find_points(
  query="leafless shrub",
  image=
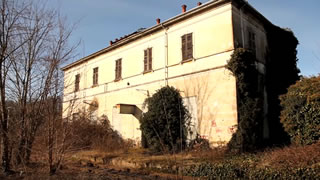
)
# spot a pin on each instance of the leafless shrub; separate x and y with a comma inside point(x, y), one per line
point(292, 156)
point(96, 134)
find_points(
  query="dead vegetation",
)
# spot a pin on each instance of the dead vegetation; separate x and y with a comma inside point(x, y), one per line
point(292, 156)
point(98, 163)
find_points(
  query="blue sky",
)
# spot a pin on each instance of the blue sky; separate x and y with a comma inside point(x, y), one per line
point(99, 21)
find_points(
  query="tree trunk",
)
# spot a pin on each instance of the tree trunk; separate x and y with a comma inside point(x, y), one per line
point(50, 148)
point(21, 149)
point(5, 148)
point(29, 148)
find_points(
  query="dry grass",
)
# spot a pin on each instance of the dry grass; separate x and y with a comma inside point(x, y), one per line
point(212, 155)
point(292, 156)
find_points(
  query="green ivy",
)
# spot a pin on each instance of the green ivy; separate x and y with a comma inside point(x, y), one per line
point(249, 99)
point(281, 72)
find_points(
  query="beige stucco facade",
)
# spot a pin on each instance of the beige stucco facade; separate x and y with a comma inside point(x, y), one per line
point(207, 86)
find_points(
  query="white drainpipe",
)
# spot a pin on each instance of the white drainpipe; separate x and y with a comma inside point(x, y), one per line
point(166, 55)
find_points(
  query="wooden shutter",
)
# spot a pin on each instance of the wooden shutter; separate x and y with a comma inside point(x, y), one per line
point(252, 42)
point(184, 46)
point(77, 83)
point(118, 69)
point(189, 47)
point(150, 59)
point(145, 62)
point(95, 76)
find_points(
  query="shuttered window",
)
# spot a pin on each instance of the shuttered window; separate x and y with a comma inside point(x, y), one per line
point(95, 76)
point(118, 70)
point(147, 60)
point(252, 42)
point(77, 83)
point(187, 47)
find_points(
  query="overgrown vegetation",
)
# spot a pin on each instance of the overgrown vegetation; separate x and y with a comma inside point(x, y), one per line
point(301, 111)
point(34, 43)
point(165, 125)
point(75, 135)
point(249, 99)
point(282, 163)
point(96, 134)
point(281, 72)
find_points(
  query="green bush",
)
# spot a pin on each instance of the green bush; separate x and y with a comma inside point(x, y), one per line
point(165, 125)
point(249, 99)
point(301, 111)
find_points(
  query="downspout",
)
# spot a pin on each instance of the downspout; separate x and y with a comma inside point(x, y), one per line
point(166, 55)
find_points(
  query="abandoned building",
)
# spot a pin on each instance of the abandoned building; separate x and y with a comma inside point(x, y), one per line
point(188, 51)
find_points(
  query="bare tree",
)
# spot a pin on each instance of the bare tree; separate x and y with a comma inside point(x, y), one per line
point(11, 14)
point(34, 43)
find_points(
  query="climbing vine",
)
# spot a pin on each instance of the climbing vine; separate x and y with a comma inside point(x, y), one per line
point(281, 72)
point(249, 99)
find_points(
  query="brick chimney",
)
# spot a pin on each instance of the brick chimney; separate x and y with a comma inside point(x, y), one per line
point(158, 21)
point(184, 8)
point(110, 43)
point(199, 3)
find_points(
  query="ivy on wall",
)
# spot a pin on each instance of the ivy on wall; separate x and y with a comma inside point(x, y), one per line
point(281, 72)
point(250, 103)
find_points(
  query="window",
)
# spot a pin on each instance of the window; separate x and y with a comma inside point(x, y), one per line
point(252, 42)
point(118, 69)
point(77, 83)
point(187, 50)
point(147, 60)
point(95, 76)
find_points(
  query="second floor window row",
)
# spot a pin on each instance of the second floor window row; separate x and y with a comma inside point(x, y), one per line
point(187, 54)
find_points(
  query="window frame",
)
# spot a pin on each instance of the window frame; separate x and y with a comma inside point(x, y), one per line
point(77, 83)
point(252, 42)
point(187, 47)
point(95, 76)
point(147, 60)
point(118, 69)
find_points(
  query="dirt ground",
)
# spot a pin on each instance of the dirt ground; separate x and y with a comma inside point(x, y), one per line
point(88, 165)
point(91, 164)
point(76, 173)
